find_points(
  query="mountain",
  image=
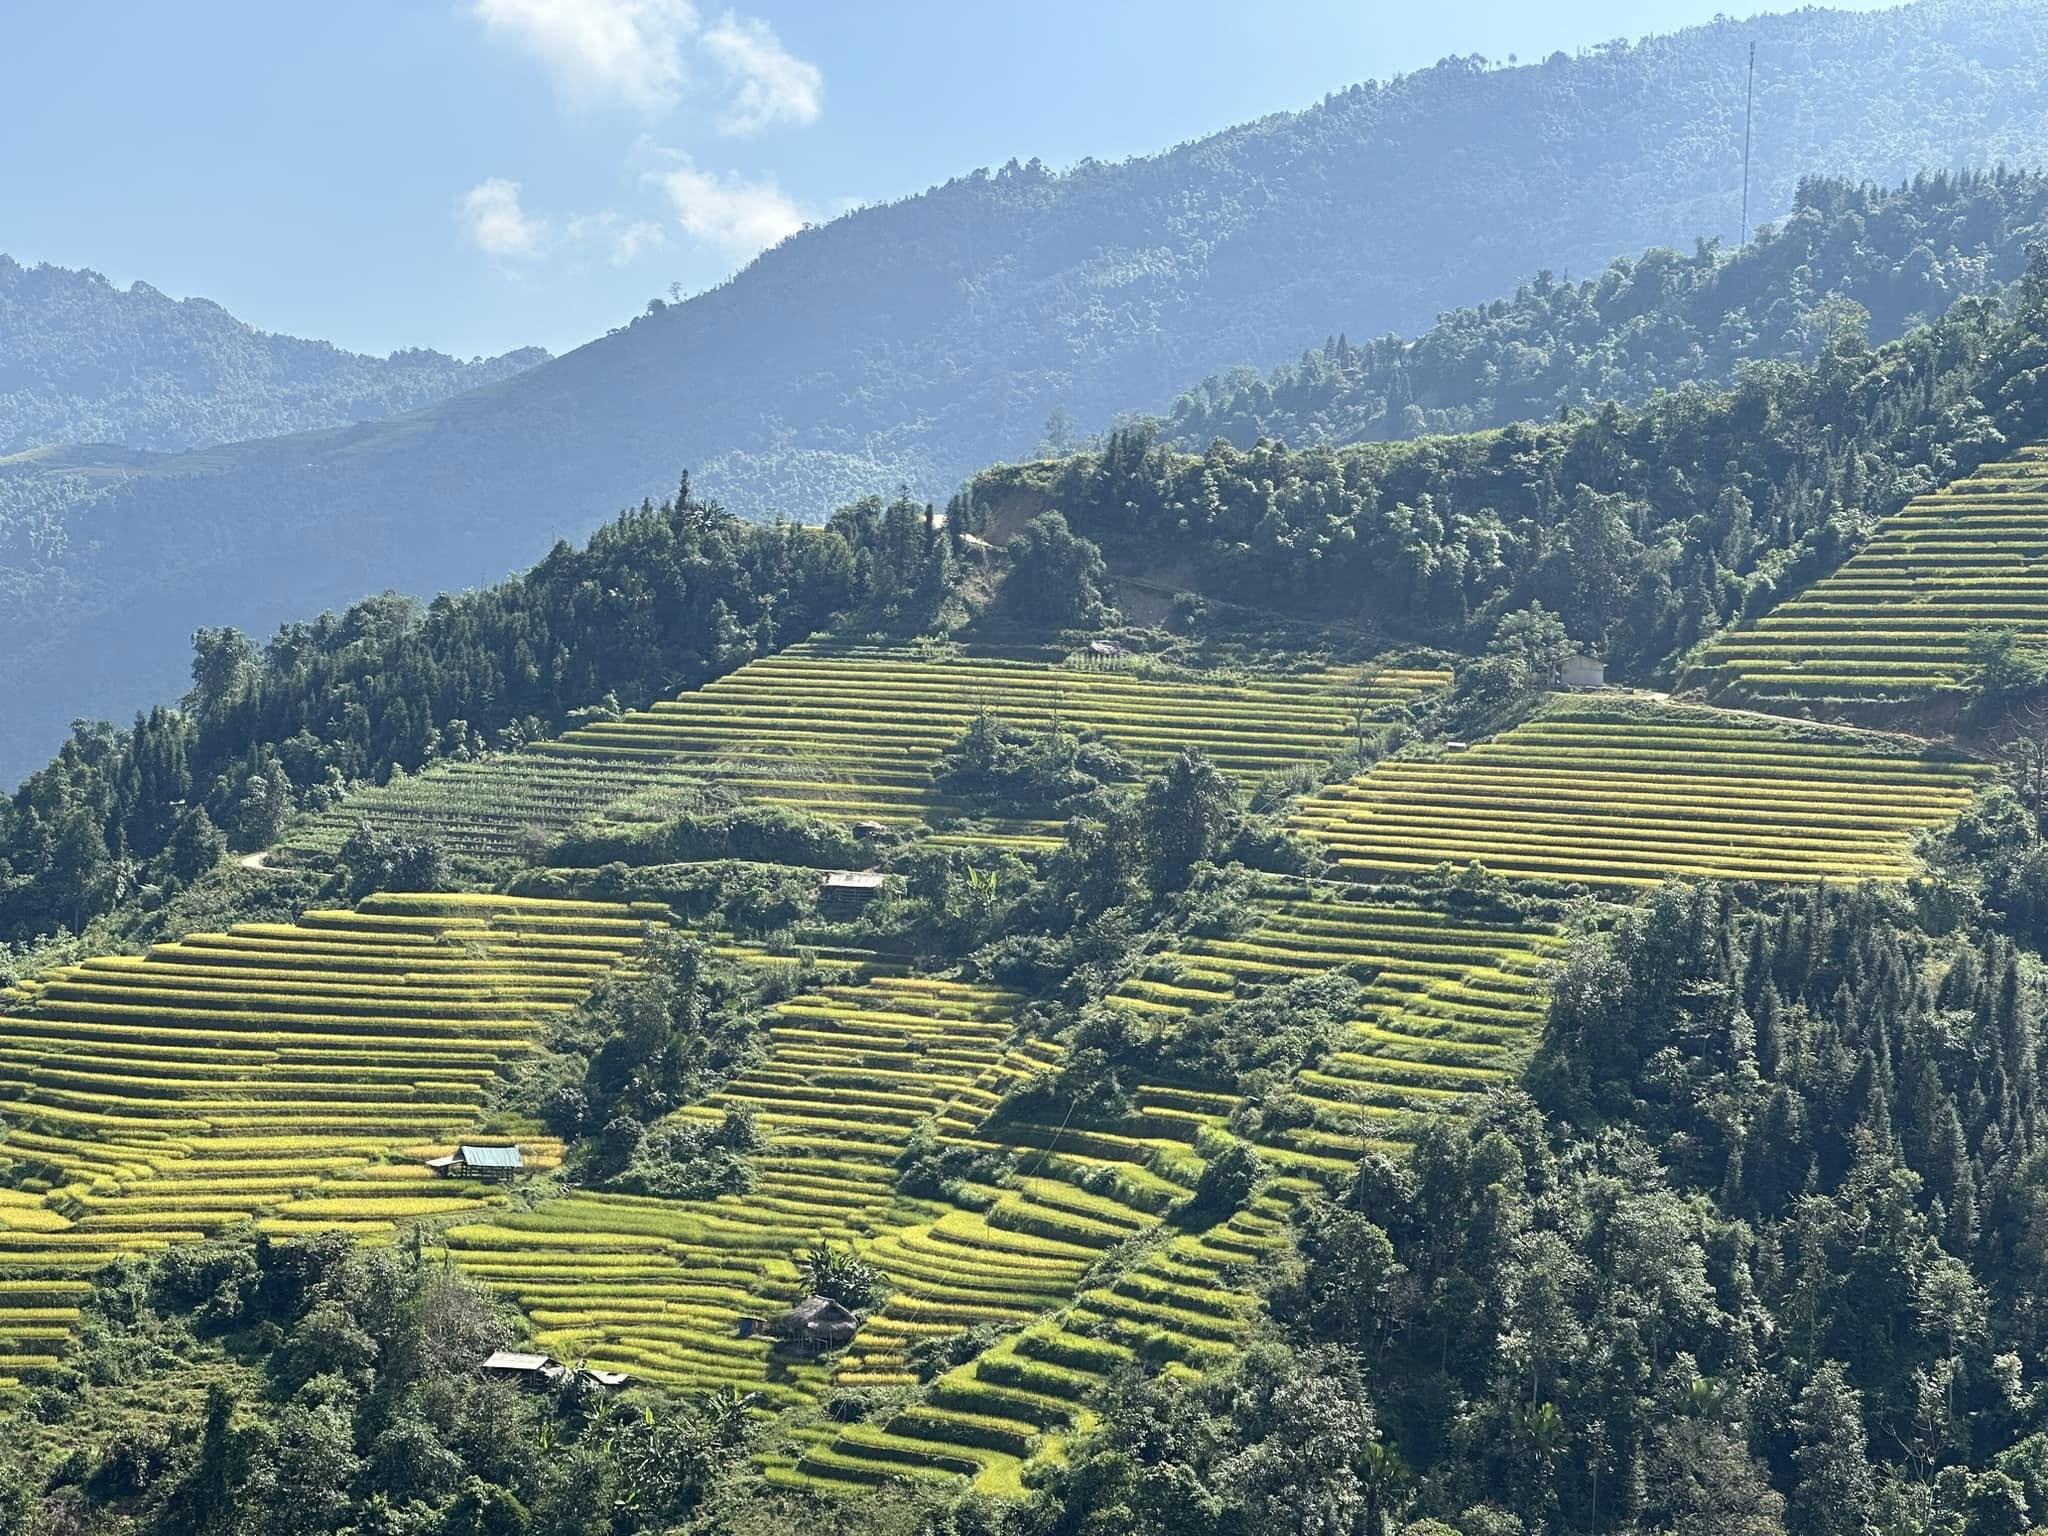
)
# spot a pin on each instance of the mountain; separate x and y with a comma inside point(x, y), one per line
point(914, 342)
point(82, 361)
point(1849, 255)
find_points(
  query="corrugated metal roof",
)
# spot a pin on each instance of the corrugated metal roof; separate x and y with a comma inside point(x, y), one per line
point(492, 1157)
point(852, 880)
point(512, 1360)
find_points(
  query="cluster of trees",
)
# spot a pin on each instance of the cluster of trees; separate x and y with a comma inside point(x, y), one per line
point(1848, 251)
point(1759, 1256)
point(1008, 770)
point(648, 1040)
point(1644, 531)
point(364, 1412)
point(86, 362)
point(1129, 857)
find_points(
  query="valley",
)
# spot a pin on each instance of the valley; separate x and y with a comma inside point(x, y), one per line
point(1446, 938)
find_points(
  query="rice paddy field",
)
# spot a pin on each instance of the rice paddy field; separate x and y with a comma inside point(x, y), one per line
point(659, 1288)
point(1448, 1009)
point(294, 1075)
point(854, 732)
point(1613, 796)
point(1894, 621)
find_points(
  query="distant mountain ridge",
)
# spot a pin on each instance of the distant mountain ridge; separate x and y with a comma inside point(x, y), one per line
point(84, 361)
point(1848, 255)
point(917, 342)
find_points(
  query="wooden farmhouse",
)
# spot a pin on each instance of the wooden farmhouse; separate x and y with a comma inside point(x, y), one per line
point(497, 1164)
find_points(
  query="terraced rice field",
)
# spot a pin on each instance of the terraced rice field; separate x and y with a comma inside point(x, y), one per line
point(658, 1288)
point(1619, 796)
point(1079, 1238)
point(1448, 1008)
point(1894, 620)
point(290, 1074)
point(854, 733)
point(1447, 1011)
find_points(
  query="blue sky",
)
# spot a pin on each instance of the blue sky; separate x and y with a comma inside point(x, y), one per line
point(476, 175)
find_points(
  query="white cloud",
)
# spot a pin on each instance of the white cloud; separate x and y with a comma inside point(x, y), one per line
point(770, 84)
point(735, 214)
point(498, 225)
point(622, 239)
point(601, 50)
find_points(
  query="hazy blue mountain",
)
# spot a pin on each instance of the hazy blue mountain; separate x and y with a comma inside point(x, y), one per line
point(82, 361)
point(917, 341)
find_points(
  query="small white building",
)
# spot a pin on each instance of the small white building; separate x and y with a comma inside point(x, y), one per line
point(1583, 671)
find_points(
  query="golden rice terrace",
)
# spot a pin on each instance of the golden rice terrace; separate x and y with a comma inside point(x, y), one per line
point(294, 1074)
point(854, 733)
point(1631, 795)
point(1895, 621)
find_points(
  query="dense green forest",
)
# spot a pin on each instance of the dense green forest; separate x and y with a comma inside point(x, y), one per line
point(916, 342)
point(1657, 322)
point(82, 361)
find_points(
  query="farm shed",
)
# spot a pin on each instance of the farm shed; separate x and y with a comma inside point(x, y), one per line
point(495, 1163)
point(1104, 648)
point(545, 1370)
point(1583, 671)
point(511, 1365)
point(819, 1322)
point(843, 892)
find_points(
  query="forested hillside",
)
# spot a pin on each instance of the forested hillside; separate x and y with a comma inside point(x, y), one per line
point(918, 341)
point(1135, 1004)
point(1644, 531)
point(82, 361)
point(1846, 256)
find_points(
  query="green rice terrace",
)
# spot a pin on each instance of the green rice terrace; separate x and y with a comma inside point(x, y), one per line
point(854, 732)
point(297, 1074)
point(659, 1288)
point(1631, 795)
point(1895, 620)
point(1448, 1009)
point(1074, 1252)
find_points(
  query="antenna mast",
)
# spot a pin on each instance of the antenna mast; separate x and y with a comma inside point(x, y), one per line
point(1748, 113)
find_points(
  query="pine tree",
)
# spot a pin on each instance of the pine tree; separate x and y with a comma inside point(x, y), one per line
point(1834, 1494)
